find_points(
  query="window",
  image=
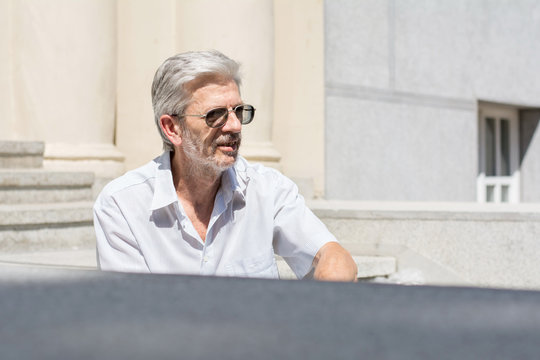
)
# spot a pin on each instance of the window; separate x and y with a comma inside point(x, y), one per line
point(498, 179)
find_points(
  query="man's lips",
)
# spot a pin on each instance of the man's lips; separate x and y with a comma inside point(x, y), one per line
point(228, 147)
point(228, 143)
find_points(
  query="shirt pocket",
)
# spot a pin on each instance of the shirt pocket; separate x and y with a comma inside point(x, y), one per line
point(262, 265)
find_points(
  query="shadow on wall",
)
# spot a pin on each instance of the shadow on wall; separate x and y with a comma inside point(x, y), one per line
point(529, 120)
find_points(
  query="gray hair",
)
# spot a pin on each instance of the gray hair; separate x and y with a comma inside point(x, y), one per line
point(169, 92)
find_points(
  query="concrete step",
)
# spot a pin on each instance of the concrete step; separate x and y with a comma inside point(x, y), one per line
point(73, 258)
point(375, 266)
point(20, 215)
point(21, 154)
point(31, 227)
point(42, 186)
point(368, 267)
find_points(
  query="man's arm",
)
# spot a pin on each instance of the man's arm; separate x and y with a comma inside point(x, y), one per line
point(333, 263)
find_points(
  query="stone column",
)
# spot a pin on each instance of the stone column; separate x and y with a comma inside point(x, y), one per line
point(244, 31)
point(146, 37)
point(299, 92)
point(64, 71)
point(8, 128)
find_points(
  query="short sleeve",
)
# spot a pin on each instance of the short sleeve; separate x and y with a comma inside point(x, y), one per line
point(298, 233)
point(117, 249)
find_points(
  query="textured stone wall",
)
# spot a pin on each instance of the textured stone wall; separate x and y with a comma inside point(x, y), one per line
point(447, 243)
point(403, 80)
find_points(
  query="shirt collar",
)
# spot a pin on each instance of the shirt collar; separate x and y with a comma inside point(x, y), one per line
point(232, 183)
point(164, 192)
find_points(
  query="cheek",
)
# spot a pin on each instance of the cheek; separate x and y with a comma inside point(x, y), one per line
point(203, 139)
point(210, 138)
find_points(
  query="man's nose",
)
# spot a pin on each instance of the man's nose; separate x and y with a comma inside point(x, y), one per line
point(232, 124)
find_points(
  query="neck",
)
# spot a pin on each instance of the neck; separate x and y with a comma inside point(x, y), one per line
point(196, 190)
point(194, 184)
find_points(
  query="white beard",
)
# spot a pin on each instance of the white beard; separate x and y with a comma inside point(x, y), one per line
point(201, 163)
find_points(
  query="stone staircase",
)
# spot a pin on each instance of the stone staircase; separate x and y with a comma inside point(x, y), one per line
point(41, 209)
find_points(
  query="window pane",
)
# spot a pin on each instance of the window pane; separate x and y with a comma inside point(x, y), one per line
point(490, 193)
point(504, 193)
point(490, 147)
point(505, 148)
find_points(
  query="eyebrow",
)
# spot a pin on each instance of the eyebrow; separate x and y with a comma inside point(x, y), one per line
point(223, 106)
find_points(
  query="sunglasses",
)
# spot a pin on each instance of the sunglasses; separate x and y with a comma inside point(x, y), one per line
point(217, 117)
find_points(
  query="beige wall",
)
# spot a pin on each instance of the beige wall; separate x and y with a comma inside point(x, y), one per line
point(77, 75)
point(57, 83)
point(58, 64)
point(298, 131)
point(146, 37)
point(8, 127)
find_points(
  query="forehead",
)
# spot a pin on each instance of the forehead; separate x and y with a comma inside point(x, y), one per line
point(214, 92)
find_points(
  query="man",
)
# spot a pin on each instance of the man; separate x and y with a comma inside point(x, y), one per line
point(200, 208)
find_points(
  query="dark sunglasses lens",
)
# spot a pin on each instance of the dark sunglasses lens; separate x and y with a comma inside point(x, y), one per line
point(244, 113)
point(216, 117)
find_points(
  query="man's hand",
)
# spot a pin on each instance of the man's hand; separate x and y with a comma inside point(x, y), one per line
point(334, 263)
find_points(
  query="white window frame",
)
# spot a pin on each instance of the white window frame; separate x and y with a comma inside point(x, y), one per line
point(499, 112)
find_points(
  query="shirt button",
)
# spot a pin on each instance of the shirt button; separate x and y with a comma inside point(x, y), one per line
point(205, 259)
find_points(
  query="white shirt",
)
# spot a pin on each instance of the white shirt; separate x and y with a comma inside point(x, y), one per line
point(141, 226)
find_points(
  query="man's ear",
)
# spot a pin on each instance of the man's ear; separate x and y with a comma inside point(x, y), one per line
point(171, 129)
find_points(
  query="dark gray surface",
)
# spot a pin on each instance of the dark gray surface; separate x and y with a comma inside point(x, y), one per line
point(90, 315)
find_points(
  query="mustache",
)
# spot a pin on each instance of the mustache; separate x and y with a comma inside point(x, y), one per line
point(228, 138)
